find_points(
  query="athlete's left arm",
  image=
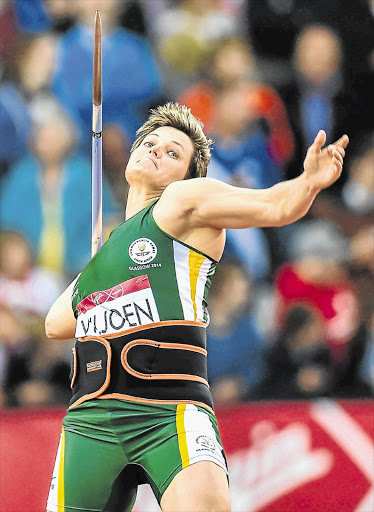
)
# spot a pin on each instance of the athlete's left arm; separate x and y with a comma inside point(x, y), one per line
point(60, 321)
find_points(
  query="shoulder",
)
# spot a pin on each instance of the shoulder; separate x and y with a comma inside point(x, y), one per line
point(188, 194)
point(192, 186)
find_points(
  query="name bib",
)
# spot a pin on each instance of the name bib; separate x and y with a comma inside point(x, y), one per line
point(126, 305)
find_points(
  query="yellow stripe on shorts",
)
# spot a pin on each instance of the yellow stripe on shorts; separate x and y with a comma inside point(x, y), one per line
point(61, 483)
point(182, 440)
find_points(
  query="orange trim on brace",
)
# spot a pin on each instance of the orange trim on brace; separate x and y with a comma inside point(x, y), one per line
point(161, 376)
point(95, 394)
point(74, 367)
point(163, 344)
point(119, 396)
point(156, 324)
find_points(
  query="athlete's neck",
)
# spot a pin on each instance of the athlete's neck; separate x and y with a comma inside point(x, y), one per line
point(137, 200)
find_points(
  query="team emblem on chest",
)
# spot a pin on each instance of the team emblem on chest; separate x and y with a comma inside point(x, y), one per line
point(142, 250)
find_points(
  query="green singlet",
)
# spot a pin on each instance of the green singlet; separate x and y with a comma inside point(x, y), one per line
point(175, 285)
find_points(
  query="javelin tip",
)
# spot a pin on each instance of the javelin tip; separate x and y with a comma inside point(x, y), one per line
point(97, 21)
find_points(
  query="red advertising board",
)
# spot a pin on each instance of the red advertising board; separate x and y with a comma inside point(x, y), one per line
point(283, 457)
point(305, 457)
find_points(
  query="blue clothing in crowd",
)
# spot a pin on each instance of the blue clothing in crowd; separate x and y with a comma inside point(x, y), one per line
point(236, 353)
point(130, 76)
point(248, 161)
point(15, 124)
point(32, 16)
point(21, 206)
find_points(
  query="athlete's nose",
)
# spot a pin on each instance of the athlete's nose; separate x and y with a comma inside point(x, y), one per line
point(155, 150)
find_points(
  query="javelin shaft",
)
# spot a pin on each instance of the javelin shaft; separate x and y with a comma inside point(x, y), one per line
point(97, 141)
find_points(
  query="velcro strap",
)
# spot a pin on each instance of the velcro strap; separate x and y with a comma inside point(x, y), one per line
point(90, 375)
point(147, 359)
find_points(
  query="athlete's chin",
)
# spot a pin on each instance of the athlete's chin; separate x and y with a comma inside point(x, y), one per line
point(136, 171)
point(143, 177)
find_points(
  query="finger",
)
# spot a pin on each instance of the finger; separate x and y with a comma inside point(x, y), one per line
point(338, 166)
point(319, 141)
point(336, 152)
point(342, 142)
point(337, 159)
point(337, 169)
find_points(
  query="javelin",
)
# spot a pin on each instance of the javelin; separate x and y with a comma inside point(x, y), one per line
point(97, 142)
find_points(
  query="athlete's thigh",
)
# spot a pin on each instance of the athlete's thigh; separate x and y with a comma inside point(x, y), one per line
point(85, 475)
point(201, 487)
point(186, 436)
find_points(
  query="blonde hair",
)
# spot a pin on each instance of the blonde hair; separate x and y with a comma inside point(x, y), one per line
point(180, 117)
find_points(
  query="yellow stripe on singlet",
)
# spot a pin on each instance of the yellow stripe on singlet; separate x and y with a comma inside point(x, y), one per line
point(61, 482)
point(195, 261)
point(182, 440)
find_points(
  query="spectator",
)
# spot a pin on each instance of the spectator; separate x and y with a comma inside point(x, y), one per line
point(124, 54)
point(15, 344)
point(273, 26)
point(358, 191)
point(25, 287)
point(52, 185)
point(361, 265)
point(235, 347)
point(231, 63)
point(26, 293)
point(316, 98)
point(366, 368)
point(317, 278)
point(27, 75)
point(184, 35)
point(33, 372)
point(354, 209)
point(272, 30)
point(299, 362)
point(358, 380)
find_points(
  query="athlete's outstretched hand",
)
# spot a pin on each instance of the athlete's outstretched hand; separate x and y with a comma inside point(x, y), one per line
point(324, 166)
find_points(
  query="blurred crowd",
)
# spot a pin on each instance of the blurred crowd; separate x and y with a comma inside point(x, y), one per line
point(292, 309)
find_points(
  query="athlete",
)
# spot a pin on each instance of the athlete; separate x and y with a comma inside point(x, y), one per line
point(141, 409)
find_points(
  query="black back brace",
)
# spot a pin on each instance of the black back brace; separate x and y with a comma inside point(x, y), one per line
point(160, 364)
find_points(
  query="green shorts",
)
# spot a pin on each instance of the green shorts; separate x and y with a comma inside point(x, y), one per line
point(109, 447)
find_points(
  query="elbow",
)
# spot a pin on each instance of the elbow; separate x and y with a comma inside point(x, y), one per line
point(281, 222)
point(49, 332)
point(57, 330)
point(279, 218)
point(50, 327)
point(284, 215)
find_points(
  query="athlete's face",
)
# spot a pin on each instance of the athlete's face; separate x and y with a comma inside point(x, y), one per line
point(163, 157)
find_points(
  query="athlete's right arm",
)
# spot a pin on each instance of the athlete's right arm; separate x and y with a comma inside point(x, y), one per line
point(60, 320)
point(211, 203)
